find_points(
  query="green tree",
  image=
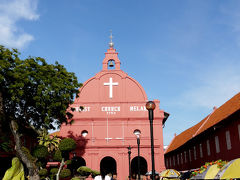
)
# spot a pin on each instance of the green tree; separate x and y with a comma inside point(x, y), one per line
point(50, 141)
point(33, 93)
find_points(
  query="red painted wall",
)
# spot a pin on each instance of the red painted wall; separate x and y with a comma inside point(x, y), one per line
point(230, 124)
point(111, 116)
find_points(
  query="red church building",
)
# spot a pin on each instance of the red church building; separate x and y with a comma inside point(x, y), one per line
point(217, 136)
point(114, 107)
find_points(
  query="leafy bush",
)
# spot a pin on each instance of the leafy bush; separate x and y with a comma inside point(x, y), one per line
point(43, 172)
point(54, 171)
point(65, 173)
point(5, 143)
point(39, 164)
point(84, 171)
point(67, 144)
point(95, 173)
point(40, 151)
point(68, 162)
point(203, 168)
point(57, 156)
point(75, 178)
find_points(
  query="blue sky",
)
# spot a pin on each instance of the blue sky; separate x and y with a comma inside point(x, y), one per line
point(184, 53)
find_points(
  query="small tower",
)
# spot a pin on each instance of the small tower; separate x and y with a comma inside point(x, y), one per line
point(111, 60)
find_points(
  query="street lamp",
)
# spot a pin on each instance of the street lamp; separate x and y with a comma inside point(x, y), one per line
point(137, 133)
point(150, 106)
point(129, 161)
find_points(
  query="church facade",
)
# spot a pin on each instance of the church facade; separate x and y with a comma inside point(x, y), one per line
point(110, 107)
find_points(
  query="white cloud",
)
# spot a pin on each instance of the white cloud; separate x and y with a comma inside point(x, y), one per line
point(214, 87)
point(11, 11)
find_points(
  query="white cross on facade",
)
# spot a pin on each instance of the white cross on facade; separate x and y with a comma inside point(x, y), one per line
point(111, 84)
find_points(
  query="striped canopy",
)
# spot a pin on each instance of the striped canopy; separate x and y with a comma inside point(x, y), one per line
point(172, 173)
point(209, 173)
point(230, 170)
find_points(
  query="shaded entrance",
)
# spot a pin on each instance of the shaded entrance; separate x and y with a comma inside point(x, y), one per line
point(134, 166)
point(76, 163)
point(108, 165)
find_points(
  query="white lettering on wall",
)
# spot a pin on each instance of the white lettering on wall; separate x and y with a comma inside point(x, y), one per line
point(113, 108)
point(84, 109)
point(137, 108)
point(110, 109)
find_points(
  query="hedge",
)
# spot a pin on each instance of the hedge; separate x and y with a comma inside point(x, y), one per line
point(67, 144)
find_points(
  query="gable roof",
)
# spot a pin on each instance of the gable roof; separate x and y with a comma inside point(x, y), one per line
point(218, 115)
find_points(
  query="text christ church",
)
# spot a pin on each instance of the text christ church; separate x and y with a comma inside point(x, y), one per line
point(114, 106)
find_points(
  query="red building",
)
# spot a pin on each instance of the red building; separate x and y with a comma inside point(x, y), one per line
point(114, 106)
point(217, 136)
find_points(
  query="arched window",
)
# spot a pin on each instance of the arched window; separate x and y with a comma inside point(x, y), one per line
point(111, 64)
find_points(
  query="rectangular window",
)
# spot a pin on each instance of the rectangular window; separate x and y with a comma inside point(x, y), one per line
point(208, 148)
point(185, 156)
point(178, 159)
point(167, 162)
point(190, 158)
point(228, 140)
point(181, 159)
point(194, 153)
point(173, 160)
point(200, 149)
point(170, 162)
point(217, 144)
point(239, 131)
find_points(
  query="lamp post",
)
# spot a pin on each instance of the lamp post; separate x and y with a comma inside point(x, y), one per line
point(150, 106)
point(129, 161)
point(137, 133)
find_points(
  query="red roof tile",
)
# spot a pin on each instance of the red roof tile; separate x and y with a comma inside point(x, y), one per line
point(57, 133)
point(228, 108)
